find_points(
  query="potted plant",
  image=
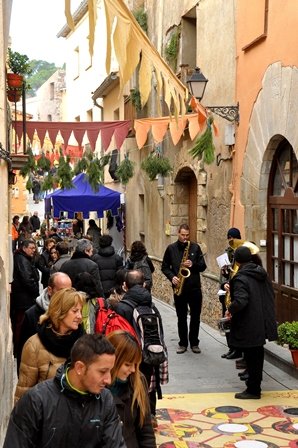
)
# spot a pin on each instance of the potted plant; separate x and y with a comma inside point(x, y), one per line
point(288, 335)
point(19, 65)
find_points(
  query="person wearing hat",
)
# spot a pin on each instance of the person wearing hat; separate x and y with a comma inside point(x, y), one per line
point(233, 233)
point(252, 317)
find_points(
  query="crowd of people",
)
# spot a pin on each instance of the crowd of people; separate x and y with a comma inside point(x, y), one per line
point(64, 365)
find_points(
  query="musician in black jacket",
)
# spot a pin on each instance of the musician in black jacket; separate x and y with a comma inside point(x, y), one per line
point(176, 256)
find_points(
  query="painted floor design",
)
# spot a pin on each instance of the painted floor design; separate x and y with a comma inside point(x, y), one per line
point(221, 421)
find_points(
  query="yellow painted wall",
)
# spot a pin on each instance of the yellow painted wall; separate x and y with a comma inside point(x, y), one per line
point(280, 45)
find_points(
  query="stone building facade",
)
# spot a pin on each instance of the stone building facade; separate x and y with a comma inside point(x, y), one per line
point(6, 352)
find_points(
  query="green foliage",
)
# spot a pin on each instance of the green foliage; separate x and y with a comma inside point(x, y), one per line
point(29, 184)
point(136, 99)
point(288, 334)
point(204, 146)
point(18, 63)
point(95, 173)
point(43, 163)
point(125, 170)
point(41, 72)
point(29, 167)
point(141, 17)
point(172, 49)
point(64, 173)
point(48, 183)
point(80, 166)
point(155, 164)
point(93, 167)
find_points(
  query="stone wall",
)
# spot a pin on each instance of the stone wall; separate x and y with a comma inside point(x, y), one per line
point(211, 310)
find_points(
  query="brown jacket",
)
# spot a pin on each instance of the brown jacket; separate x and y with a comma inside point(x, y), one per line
point(37, 365)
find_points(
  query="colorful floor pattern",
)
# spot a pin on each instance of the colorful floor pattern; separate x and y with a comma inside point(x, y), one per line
point(221, 421)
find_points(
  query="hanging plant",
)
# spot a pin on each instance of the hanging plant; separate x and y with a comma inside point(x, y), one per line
point(95, 174)
point(125, 170)
point(64, 173)
point(29, 185)
point(48, 183)
point(172, 49)
point(43, 163)
point(141, 17)
point(156, 164)
point(30, 165)
point(80, 166)
point(204, 146)
point(136, 99)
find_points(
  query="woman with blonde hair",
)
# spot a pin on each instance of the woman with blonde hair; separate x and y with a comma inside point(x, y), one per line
point(57, 331)
point(129, 389)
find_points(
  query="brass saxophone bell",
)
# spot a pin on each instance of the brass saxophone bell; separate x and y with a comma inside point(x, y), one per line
point(184, 272)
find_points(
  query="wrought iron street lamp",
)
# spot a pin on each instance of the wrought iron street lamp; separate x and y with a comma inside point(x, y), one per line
point(197, 85)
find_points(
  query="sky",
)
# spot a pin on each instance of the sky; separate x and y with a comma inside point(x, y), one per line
point(34, 25)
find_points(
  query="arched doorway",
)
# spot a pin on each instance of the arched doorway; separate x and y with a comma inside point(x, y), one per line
point(282, 254)
point(186, 191)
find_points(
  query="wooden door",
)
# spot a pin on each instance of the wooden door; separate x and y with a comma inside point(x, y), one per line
point(282, 255)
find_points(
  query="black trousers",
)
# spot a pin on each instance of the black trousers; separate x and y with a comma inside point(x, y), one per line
point(192, 301)
point(254, 357)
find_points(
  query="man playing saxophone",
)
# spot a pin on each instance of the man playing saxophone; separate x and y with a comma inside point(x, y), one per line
point(182, 263)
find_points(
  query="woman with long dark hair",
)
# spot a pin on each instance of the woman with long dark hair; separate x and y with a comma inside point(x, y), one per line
point(129, 389)
point(140, 260)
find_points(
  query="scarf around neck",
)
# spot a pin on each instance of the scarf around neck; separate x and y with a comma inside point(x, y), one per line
point(58, 345)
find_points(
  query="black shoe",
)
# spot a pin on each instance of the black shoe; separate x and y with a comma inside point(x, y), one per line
point(226, 354)
point(234, 355)
point(247, 396)
point(242, 373)
point(244, 377)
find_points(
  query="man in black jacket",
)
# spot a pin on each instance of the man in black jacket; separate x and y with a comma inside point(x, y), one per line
point(74, 409)
point(136, 295)
point(252, 317)
point(81, 262)
point(24, 287)
point(191, 294)
point(108, 263)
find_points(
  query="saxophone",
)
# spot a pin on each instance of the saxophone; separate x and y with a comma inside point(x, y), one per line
point(183, 271)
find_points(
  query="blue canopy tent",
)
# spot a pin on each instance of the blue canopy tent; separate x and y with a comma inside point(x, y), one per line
point(82, 198)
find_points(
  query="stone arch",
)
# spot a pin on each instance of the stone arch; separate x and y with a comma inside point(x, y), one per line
point(189, 201)
point(273, 118)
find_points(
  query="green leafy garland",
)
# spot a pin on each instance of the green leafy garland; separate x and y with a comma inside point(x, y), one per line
point(43, 163)
point(64, 173)
point(204, 146)
point(30, 165)
point(156, 164)
point(125, 170)
point(93, 167)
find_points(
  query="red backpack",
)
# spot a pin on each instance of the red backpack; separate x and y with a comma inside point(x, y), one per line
point(108, 320)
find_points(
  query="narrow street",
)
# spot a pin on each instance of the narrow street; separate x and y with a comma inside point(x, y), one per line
point(198, 409)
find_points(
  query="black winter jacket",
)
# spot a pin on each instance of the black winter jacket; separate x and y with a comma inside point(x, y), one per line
point(135, 296)
point(108, 264)
point(144, 264)
point(81, 262)
point(43, 264)
point(51, 415)
point(172, 261)
point(25, 285)
point(252, 307)
point(134, 435)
